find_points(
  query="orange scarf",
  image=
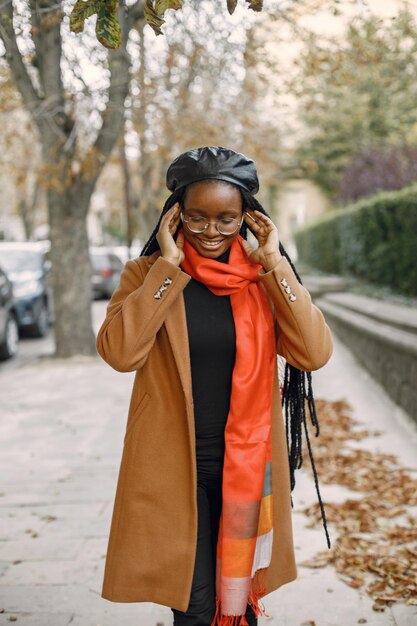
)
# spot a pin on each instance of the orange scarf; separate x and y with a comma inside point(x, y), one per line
point(244, 543)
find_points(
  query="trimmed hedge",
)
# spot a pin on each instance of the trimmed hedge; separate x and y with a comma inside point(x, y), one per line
point(374, 239)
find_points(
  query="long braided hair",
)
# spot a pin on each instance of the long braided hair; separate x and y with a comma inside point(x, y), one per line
point(297, 387)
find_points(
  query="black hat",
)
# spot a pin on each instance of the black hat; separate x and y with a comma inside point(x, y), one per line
point(212, 162)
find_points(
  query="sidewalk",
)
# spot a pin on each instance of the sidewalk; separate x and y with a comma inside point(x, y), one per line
point(61, 440)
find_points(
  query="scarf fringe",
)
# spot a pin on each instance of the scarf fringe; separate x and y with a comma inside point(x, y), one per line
point(255, 593)
point(227, 620)
point(253, 601)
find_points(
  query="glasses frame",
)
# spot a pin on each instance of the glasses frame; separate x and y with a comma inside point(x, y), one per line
point(216, 223)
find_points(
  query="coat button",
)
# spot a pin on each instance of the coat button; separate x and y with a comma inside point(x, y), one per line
point(163, 288)
point(287, 289)
point(284, 282)
point(167, 281)
point(157, 295)
point(292, 297)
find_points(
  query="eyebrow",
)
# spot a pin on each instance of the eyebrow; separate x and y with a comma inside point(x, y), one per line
point(220, 213)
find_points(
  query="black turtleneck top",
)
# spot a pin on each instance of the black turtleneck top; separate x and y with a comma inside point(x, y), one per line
point(212, 341)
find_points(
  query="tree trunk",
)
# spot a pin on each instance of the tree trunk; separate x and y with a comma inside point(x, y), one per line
point(27, 209)
point(71, 272)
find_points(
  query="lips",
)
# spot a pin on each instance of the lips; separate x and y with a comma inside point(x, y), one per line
point(211, 244)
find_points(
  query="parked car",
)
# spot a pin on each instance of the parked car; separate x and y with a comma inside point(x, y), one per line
point(124, 253)
point(28, 268)
point(107, 268)
point(9, 330)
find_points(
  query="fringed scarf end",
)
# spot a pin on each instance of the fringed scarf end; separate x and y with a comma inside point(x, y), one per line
point(256, 593)
point(258, 589)
point(227, 620)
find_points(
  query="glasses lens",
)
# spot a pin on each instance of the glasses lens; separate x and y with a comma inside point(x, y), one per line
point(197, 225)
point(228, 227)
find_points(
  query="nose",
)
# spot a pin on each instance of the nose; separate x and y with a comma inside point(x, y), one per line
point(211, 230)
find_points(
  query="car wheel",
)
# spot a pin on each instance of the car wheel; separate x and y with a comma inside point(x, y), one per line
point(40, 327)
point(10, 344)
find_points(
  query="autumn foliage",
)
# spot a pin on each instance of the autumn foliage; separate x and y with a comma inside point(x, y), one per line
point(376, 547)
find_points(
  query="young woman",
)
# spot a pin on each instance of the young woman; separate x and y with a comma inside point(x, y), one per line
point(202, 514)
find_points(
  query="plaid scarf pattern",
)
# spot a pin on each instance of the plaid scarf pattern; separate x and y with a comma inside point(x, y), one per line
point(244, 543)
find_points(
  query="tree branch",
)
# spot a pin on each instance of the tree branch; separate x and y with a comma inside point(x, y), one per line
point(46, 18)
point(135, 14)
point(30, 96)
point(113, 115)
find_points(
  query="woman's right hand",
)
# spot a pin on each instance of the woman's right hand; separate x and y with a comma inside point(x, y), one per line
point(171, 249)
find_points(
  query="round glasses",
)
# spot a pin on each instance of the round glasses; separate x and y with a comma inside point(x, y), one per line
point(225, 226)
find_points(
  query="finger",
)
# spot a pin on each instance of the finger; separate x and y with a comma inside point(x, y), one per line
point(170, 213)
point(173, 225)
point(170, 218)
point(180, 240)
point(249, 215)
point(263, 231)
point(172, 209)
point(257, 230)
point(264, 219)
point(251, 222)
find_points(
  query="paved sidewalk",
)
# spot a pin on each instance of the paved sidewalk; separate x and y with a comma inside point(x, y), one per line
point(61, 439)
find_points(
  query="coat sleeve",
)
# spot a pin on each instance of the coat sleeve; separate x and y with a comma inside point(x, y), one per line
point(137, 310)
point(303, 337)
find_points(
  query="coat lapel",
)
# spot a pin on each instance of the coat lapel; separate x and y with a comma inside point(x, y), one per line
point(176, 326)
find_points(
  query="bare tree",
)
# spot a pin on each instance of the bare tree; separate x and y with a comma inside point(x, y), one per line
point(32, 34)
point(19, 167)
point(201, 86)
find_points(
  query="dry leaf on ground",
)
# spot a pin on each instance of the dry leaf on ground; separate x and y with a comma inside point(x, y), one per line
point(374, 549)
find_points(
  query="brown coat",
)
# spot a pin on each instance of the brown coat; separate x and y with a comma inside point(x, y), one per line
point(153, 535)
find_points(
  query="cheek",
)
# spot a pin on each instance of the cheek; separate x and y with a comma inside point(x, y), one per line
point(187, 235)
point(228, 242)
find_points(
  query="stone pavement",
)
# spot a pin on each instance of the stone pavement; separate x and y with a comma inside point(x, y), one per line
point(61, 439)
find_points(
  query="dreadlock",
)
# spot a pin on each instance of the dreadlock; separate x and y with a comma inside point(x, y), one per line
point(297, 388)
point(152, 245)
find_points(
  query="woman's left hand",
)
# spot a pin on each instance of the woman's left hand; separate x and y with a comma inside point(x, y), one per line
point(265, 231)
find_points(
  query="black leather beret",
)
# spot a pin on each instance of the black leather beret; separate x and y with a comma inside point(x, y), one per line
point(212, 162)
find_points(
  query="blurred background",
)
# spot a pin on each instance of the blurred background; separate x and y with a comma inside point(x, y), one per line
point(322, 95)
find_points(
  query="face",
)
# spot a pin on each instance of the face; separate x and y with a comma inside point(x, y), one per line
point(214, 201)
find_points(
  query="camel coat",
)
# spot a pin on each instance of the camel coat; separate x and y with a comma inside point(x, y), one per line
point(153, 535)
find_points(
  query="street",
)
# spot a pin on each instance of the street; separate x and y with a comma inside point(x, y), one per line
point(31, 348)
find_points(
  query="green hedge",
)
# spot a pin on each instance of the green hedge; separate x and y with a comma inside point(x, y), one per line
point(374, 239)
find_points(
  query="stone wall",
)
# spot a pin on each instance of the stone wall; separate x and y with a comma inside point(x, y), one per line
point(383, 337)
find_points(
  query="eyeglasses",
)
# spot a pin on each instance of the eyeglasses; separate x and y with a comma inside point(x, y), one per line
point(225, 226)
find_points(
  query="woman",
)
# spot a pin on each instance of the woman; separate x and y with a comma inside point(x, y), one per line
point(202, 514)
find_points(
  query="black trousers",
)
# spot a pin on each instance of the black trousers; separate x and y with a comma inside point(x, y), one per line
point(202, 605)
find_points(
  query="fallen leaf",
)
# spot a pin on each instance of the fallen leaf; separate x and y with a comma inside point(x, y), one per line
point(377, 533)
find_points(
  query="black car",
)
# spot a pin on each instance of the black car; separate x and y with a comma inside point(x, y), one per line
point(27, 267)
point(9, 331)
